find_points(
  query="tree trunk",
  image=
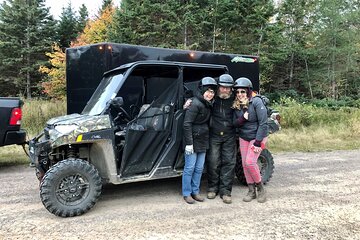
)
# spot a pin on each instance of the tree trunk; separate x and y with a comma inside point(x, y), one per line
point(214, 30)
point(333, 80)
point(185, 36)
point(260, 40)
point(308, 79)
point(291, 73)
point(28, 80)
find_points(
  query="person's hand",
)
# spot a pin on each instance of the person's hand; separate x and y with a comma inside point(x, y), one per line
point(256, 149)
point(189, 149)
point(187, 103)
point(258, 146)
point(246, 115)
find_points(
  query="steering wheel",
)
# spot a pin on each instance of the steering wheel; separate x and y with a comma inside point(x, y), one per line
point(123, 115)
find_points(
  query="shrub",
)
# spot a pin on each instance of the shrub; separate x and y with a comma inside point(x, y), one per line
point(295, 114)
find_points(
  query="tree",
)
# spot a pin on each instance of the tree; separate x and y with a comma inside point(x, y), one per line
point(82, 19)
point(289, 51)
point(26, 33)
point(96, 30)
point(55, 84)
point(68, 27)
point(105, 4)
point(335, 65)
point(146, 22)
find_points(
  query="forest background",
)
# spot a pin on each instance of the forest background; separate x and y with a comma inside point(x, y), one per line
point(309, 52)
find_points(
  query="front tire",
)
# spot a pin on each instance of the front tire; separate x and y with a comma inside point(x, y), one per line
point(265, 163)
point(70, 188)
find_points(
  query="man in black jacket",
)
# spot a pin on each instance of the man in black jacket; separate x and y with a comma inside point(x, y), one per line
point(221, 158)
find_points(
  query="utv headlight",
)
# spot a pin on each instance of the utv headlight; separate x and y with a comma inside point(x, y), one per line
point(65, 129)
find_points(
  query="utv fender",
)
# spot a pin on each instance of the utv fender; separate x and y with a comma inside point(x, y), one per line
point(70, 188)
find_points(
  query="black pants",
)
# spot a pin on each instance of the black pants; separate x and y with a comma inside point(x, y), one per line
point(221, 160)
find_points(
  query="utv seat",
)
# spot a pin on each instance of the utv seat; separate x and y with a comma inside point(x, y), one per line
point(151, 118)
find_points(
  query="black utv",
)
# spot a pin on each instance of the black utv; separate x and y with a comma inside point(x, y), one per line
point(130, 130)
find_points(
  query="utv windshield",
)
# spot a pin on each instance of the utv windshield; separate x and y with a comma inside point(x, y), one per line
point(103, 94)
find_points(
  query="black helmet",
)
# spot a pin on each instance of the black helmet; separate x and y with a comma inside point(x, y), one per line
point(243, 82)
point(226, 80)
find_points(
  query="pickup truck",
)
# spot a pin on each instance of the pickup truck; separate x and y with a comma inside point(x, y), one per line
point(10, 121)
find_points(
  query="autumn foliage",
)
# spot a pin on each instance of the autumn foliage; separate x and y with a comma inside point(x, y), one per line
point(55, 86)
point(95, 31)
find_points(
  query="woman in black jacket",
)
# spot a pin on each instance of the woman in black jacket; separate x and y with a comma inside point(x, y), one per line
point(196, 137)
point(250, 116)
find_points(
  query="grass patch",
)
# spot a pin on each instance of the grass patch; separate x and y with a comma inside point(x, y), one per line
point(307, 127)
point(317, 138)
point(12, 155)
point(37, 112)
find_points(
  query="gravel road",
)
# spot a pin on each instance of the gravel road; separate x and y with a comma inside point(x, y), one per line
point(311, 196)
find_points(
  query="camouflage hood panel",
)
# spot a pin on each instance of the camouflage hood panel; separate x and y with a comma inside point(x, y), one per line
point(66, 129)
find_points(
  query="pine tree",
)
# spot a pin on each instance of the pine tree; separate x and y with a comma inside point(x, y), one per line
point(68, 27)
point(26, 33)
point(105, 4)
point(82, 19)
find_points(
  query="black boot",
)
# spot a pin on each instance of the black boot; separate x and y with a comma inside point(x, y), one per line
point(251, 193)
point(261, 198)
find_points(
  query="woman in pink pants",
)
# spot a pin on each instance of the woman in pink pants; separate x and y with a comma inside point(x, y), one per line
point(250, 116)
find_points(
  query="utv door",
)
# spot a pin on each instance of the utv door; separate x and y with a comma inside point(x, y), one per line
point(148, 134)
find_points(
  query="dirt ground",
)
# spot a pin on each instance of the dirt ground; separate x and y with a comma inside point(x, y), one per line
point(311, 196)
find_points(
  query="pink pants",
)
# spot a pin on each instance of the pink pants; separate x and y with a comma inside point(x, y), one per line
point(249, 161)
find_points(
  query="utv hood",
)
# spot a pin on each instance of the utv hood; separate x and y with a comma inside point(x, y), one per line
point(66, 129)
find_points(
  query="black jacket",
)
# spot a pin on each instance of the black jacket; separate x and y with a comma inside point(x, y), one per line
point(222, 116)
point(196, 124)
point(256, 127)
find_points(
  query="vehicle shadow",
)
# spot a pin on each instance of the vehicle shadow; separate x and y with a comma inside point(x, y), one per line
point(170, 186)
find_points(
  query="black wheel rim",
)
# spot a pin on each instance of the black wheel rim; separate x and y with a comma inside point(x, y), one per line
point(72, 189)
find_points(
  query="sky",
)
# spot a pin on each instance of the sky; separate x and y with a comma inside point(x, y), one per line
point(57, 5)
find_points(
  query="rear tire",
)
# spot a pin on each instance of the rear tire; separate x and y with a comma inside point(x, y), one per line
point(70, 188)
point(265, 163)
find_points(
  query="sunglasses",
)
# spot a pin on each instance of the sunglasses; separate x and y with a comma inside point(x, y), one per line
point(240, 91)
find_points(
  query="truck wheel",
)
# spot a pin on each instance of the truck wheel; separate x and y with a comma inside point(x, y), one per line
point(70, 188)
point(266, 165)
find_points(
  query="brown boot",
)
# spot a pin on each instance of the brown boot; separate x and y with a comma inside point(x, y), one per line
point(197, 197)
point(211, 195)
point(251, 193)
point(226, 199)
point(261, 197)
point(189, 200)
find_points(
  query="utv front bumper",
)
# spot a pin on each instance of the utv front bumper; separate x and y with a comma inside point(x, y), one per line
point(39, 149)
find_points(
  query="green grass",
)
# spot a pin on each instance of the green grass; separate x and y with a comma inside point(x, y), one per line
point(315, 138)
point(310, 128)
point(12, 155)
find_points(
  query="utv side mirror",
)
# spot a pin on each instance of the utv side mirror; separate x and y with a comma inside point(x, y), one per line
point(117, 102)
